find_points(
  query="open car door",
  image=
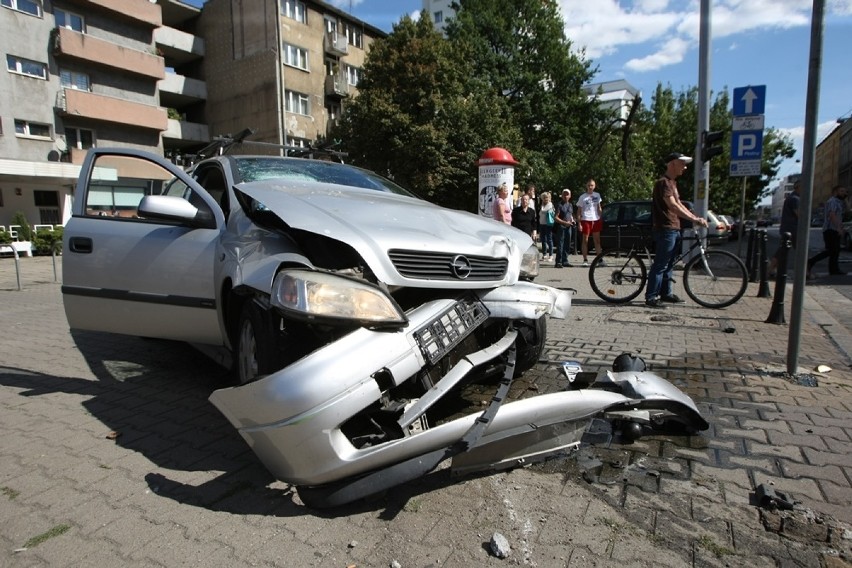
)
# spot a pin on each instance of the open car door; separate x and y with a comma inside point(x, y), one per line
point(139, 249)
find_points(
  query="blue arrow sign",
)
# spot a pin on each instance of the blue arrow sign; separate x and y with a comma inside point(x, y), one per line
point(749, 100)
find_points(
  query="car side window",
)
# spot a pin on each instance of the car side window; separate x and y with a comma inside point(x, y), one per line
point(118, 183)
point(610, 214)
point(212, 178)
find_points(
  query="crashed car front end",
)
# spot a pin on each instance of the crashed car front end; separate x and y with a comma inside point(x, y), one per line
point(437, 311)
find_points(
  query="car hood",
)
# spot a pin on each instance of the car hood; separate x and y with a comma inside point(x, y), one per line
point(374, 222)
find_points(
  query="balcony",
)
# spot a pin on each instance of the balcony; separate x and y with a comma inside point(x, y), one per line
point(93, 50)
point(335, 43)
point(178, 90)
point(178, 47)
point(135, 10)
point(336, 86)
point(188, 132)
point(83, 104)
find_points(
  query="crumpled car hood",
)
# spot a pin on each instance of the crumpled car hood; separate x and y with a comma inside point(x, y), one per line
point(373, 222)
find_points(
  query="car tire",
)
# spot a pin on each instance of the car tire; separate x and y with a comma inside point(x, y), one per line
point(256, 353)
point(530, 343)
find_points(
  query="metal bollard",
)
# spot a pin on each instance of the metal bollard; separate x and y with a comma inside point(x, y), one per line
point(776, 313)
point(763, 290)
point(750, 250)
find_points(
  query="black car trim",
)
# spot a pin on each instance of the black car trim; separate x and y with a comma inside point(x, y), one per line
point(127, 296)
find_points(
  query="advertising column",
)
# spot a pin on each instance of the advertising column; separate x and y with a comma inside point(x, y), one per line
point(496, 166)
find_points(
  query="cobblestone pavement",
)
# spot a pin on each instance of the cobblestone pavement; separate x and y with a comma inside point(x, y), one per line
point(111, 455)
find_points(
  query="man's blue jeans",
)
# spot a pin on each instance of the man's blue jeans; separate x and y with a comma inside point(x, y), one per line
point(666, 242)
point(564, 238)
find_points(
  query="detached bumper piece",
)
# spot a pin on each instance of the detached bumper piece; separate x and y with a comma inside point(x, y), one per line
point(334, 495)
point(526, 431)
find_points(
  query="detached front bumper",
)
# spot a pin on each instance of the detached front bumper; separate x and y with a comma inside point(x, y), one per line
point(292, 418)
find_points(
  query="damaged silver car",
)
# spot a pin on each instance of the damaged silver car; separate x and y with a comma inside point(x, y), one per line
point(357, 317)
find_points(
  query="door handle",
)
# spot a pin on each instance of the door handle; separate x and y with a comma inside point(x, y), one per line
point(82, 245)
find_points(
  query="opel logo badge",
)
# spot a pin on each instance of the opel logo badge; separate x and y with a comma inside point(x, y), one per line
point(461, 267)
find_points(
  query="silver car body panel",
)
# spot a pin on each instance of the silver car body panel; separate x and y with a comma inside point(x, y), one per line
point(373, 222)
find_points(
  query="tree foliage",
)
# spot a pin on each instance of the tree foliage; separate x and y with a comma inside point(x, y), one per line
point(428, 106)
point(422, 117)
point(519, 49)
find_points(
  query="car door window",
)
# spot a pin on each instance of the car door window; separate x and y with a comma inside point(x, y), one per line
point(118, 183)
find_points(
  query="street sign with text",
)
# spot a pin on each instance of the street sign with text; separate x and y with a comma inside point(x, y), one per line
point(747, 130)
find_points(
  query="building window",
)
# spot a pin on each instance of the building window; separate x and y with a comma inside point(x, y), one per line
point(26, 67)
point(354, 36)
point(69, 20)
point(32, 129)
point(26, 6)
point(44, 198)
point(295, 9)
point(80, 138)
point(439, 17)
point(298, 103)
point(331, 26)
point(298, 142)
point(74, 80)
point(353, 75)
point(296, 56)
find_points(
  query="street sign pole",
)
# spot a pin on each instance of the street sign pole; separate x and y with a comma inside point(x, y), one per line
point(807, 180)
point(701, 188)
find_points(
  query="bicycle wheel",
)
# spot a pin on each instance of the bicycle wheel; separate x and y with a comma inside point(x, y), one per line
point(715, 280)
point(617, 276)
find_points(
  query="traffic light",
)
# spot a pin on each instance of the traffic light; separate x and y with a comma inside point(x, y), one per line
point(709, 147)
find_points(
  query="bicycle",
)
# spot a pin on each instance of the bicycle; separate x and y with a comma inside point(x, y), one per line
point(711, 278)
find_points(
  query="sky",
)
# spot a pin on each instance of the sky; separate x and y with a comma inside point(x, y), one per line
point(753, 42)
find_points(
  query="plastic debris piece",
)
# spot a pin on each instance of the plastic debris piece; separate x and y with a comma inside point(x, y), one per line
point(823, 369)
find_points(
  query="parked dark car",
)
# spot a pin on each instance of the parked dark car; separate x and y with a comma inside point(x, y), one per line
point(632, 219)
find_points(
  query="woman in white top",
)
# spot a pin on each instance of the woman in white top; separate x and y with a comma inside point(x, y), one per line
point(546, 220)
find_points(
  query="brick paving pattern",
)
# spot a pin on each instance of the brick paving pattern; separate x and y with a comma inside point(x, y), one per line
point(111, 455)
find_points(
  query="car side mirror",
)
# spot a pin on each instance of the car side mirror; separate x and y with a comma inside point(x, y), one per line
point(175, 209)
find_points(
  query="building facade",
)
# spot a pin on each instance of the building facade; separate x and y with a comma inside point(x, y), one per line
point(440, 11)
point(283, 68)
point(163, 76)
point(79, 73)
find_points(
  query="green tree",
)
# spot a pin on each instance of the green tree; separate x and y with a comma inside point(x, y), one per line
point(421, 116)
point(519, 49)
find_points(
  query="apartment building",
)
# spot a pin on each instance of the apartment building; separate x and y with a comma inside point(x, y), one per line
point(440, 11)
point(183, 90)
point(283, 68)
point(79, 73)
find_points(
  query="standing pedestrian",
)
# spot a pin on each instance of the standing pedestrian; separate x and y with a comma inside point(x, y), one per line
point(591, 222)
point(564, 229)
point(832, 232)
point(789, 224)
point(502, 205)
point(666, 212)
point(546, 220)
point(524, 218)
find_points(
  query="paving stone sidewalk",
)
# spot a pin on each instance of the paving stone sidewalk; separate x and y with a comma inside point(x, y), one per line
point(111, 455)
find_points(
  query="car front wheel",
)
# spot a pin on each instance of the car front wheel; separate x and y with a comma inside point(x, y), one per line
point(530, 342)
point(256, 354)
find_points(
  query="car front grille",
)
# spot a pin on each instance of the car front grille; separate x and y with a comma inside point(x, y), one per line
point(447, 266)
point(441, 335)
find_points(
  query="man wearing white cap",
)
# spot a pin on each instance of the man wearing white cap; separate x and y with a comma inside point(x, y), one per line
point(666, 212)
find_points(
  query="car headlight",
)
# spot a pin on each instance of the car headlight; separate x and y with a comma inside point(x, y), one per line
point(529, 263)
point(321, 296)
